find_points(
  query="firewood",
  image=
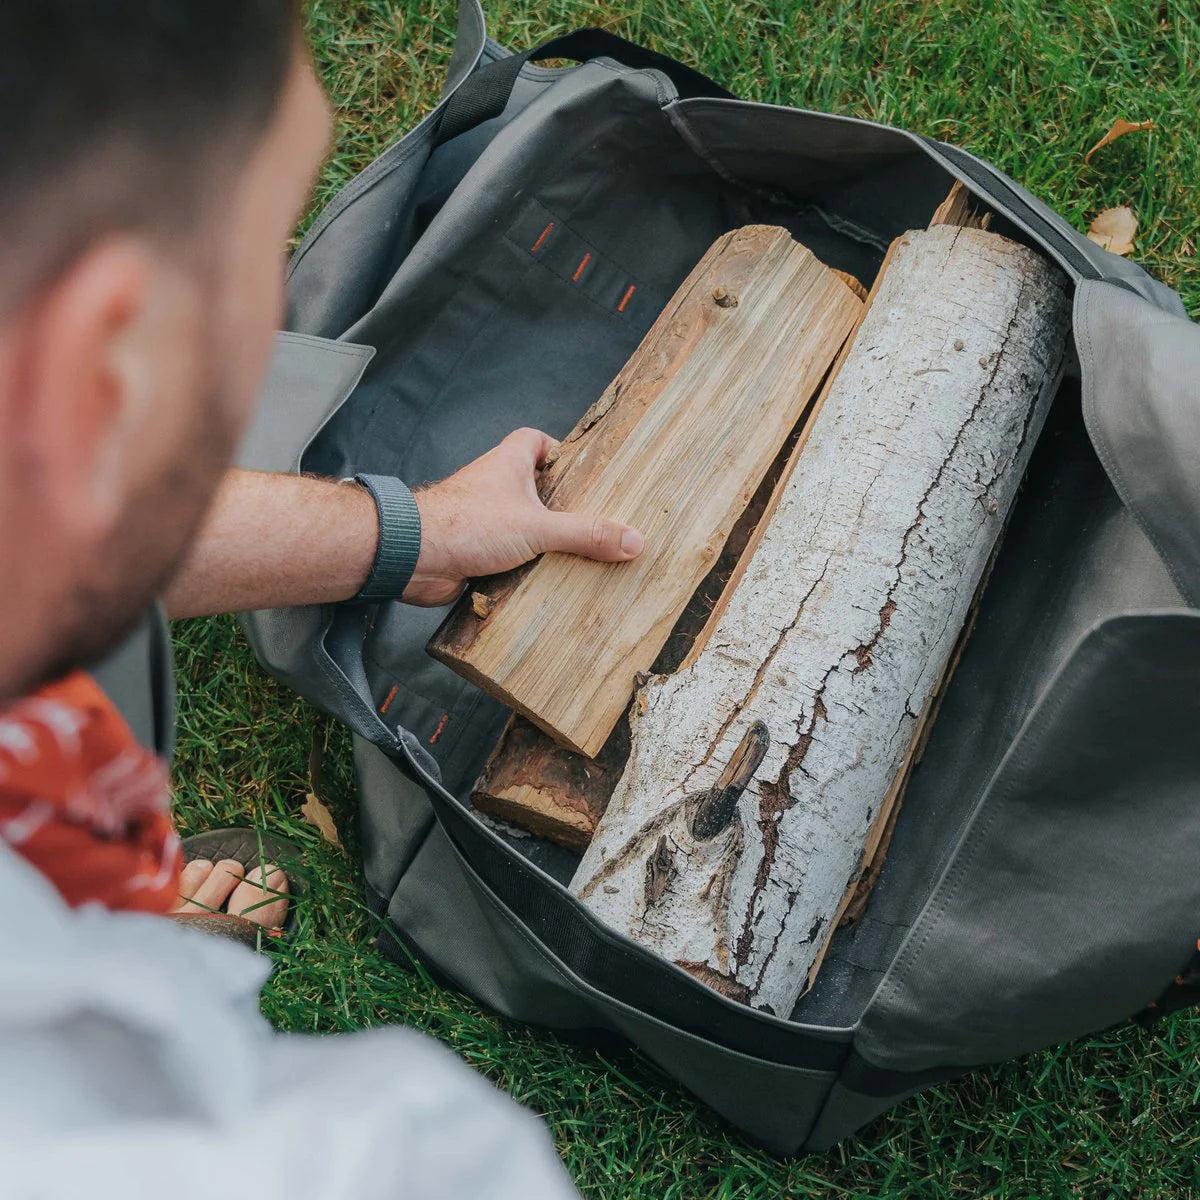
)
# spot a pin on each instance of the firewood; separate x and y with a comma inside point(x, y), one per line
point(675, 447)
point(757, 770)
point(957, 209)
point(531, 781)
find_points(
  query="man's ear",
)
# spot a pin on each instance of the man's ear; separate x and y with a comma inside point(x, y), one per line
point(81, 378)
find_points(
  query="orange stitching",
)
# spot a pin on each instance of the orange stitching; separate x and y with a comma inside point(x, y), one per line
point(437, 733)
point(390, 697)
point(543, 236)
point(625, 298)
point(587, 258)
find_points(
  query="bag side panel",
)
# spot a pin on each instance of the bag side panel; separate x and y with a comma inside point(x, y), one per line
point(1071, 901)
point(867, 182)
point(464, 929)
point(307, 380)
point(337, 267)
point(394, 817)
point(846, 1111)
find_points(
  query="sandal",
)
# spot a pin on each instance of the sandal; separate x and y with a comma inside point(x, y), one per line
point(252, 848)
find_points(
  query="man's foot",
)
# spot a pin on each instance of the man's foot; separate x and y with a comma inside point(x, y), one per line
point(207, 888)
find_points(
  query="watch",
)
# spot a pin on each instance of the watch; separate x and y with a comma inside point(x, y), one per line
point(399, 543)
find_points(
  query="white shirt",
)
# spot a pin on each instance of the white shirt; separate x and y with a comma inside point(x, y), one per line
point(134, 1063)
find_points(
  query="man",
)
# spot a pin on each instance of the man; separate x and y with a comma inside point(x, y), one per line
point(155, 155)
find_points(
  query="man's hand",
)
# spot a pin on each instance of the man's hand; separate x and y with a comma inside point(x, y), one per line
point(487, 518)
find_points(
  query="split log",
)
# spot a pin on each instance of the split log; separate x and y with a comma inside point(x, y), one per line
point(957, 209)
point(531, 781)
point(810, 683)
point(675, 447)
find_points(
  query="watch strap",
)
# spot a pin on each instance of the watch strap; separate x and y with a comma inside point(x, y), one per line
point(399, 543)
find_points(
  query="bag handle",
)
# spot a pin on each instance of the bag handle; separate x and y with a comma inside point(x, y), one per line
point(484, 94)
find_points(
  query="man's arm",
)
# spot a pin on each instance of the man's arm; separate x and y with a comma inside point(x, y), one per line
point(269, 541)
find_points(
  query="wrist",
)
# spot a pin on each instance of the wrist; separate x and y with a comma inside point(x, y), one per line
point(430, 557)
point(436, 579)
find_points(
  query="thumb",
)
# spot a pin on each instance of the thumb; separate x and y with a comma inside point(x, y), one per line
point(592, 537)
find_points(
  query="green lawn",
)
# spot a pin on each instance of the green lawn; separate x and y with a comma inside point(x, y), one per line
point(1029, 86)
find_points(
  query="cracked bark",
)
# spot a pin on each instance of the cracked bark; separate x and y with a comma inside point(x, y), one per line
point(841, 624)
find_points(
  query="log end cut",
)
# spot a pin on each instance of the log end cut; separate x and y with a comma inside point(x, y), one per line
point(555, 793)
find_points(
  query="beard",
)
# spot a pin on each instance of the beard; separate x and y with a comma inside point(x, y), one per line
point(132, 568)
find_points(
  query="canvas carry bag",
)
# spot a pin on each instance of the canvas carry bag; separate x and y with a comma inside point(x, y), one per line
point(1041, 879)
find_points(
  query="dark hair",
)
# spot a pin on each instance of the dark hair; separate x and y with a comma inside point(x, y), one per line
point(121, 114)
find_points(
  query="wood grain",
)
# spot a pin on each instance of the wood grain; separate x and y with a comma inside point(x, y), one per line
point(675, 447)
point(958, 209)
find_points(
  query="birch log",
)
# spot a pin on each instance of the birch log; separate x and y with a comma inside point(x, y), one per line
point(810, 683)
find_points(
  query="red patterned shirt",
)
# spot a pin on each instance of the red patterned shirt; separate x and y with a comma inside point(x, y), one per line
point(84, 801)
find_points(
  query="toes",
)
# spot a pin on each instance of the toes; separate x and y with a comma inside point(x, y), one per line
point(261, 897)
point(191, 878)
point(216, 887)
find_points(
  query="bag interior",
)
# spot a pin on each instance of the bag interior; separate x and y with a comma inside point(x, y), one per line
point(476, 336)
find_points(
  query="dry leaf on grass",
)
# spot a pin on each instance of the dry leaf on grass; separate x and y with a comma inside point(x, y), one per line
point(315, 812)
point(1120, 127)
point(1114, 229)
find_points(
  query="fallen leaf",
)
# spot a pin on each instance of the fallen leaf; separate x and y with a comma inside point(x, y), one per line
point(317, 814)
point(1114, 229)
point(1120, 127)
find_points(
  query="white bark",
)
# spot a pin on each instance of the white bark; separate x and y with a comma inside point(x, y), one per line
point(839, 628)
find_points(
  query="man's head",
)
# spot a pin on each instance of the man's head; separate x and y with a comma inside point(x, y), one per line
point(153, 158)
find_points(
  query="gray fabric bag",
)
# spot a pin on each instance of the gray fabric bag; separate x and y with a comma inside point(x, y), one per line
point(1041, 881)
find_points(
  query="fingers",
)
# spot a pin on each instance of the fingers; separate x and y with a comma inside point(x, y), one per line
point(575, 533)
point(531, 444)
point(592, 537)
point(212, 887)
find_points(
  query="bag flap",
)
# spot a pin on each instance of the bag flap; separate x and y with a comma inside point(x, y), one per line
point(1140, 368)
point(308, 380)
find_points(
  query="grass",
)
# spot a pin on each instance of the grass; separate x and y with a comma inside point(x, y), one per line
point(1029, 86)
